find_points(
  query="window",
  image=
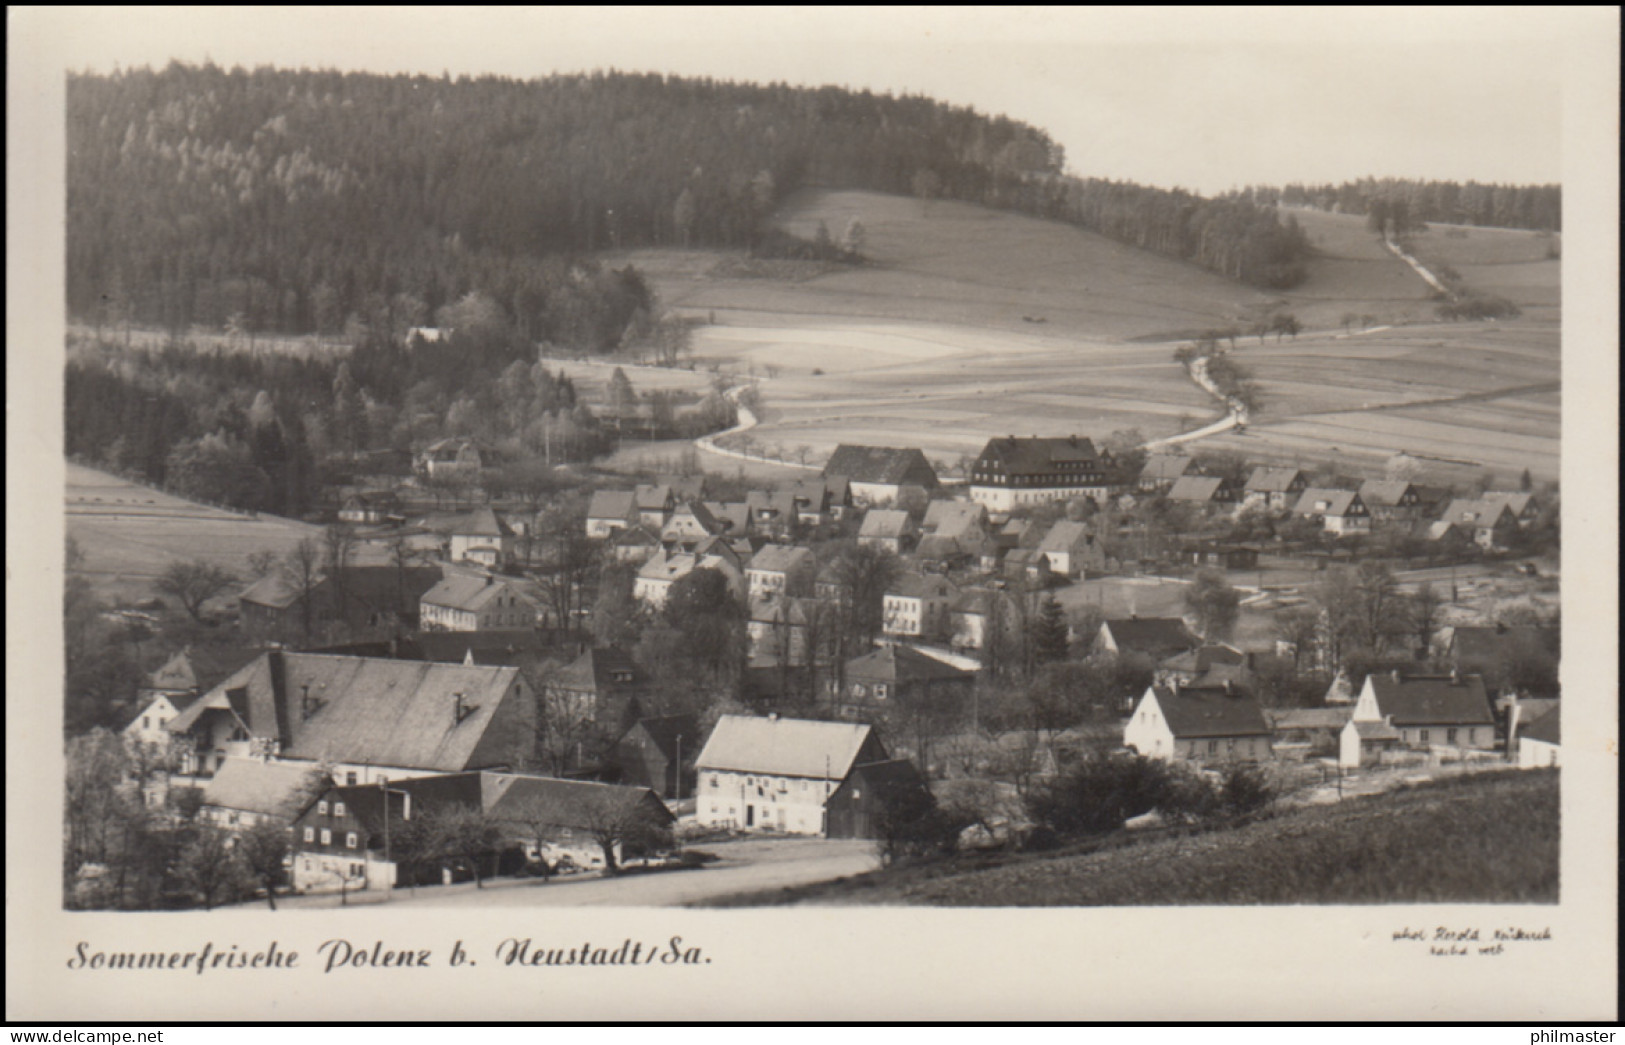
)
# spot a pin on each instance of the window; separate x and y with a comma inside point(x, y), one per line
point(146, 721)
point(327, 837)
point(338, 808)
point(1472, 736)
point(1213, 747)
point(355, 870)
point(349, 778)
point(349, 840)
point(321, 808)
point(1450, 735)
point(713, 781)
point(310, 836)
point(880, 691)
point(1422, 735)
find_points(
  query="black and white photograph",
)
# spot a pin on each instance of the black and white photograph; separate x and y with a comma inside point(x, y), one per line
point(841, 468)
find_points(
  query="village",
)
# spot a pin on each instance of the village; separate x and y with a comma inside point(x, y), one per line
point(658, 674)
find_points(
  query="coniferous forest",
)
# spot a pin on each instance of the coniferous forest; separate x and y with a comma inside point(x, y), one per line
point(300, 201)
point(1536, 207)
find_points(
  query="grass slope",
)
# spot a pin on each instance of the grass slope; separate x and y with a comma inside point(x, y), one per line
point(1482, 838)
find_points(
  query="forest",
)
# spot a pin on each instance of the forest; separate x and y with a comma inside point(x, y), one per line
point(1535, 207)
point(300, 201)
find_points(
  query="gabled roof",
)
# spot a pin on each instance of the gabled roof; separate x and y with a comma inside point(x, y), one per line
point(611, 504)
point(1066, 536)
point(893, 773)
point(271, 590)
point(483, 522)
point(1547, 728)
point(1153, 635)
point(788, 611)
point(635, 536)
point(1480, 512)
point(1317, 500)
point(1192, 712)
point(269, 788)
point(885, 523)
point(921, 586)
point(896, 663)
point(884, 465)
point(1438, 531)
point(469, 592)
point(1519, 502)
point(1204, 657)
point(525, 800)
point(783, 746)
point(1195, 488)
point(1385, 493)
point(1284, 719)
point(934, 547)
point(198, 668)
point(600, 670)
point(652, 498)
point(782, 558)
point(1375, 730)
point(1432, 700)
point(1038, 453)
point(664, 730)
point(953, 518)
point(1165, 466)
point(1272, 480)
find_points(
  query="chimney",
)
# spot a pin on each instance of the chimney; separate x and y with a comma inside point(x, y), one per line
point(1394, 674)
point(304, 702)
point(457, 708)
point(1455, 676)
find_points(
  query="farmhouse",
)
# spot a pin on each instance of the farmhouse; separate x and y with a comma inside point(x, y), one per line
point(1164, 470)
point(776, 774)
point(877, 474)
point(887, 528)
point(611, 511)
point(1488, 650)
point(1273, 488)
point(654, 504)
point(174, 686)
point(818, 499)
point(246, 791)
point(1388, 499)
point(897, 674)
point(1341, 512)
point(856, 807)
point(1525, 508)
point(956, 532)
point(917, 606)
point(1427, 712)
point(690, 523)
point(1199, 725)
point(1540, 744)
point(1154, 639)
point(604, 685)
point(1201, 489)
point(366, 717)
point(1012, 472)
point(370, 597)
point(634, 544)
point(1071, 550)
point(781, 569)
point(471, 602)
point(772, 512)
point(1491, 523)
point(484, 537)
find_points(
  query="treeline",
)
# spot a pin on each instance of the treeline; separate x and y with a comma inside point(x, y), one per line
point(296, 200)
point(1536, 207)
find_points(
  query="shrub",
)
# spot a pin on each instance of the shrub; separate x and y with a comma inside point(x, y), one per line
point(911, 826)
point(1190, 797)
point(1246, 789)
point(1100, 792)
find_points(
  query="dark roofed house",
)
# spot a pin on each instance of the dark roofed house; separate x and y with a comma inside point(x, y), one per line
point(1163, 470)
point(606, 685)
point(896, 673)
point(690, 522)
point(378, 597)
point(1201, 489)
point(1274, 488)
point(610, 511)
point(654, 504)
point(1488, 649)
point(1389, 499)
point(649, 754)
point(1199, 724)
point(1341, 512)
point(1223, 555)
point(856, 808)
point(1491, 523)
point(1012, 472)
point(877, 474)
point(1155, 638)
point(1428, 711)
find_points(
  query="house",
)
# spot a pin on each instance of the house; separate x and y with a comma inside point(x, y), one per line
point(891, 529)
point(917, 605)
point(1488, 650)
point(777, 774)
point(777, 627)
point(1199, 725)
point(663, 569)
point(604, 685)
point(178, 682)
point(820, 499)
point(651, 752)
point(772, 512)
point(475, 602)
point(876, 475)
point(1492, 524)
point(1222, 555)
point(370, 507)
point(1539, 743)
point(1027, 564)
point(365, 717)
point(896, 674)
point(654, 504)
point(1427, 711)
point(343, 838)
point(484, 537)
point(611, 511)
point(1071, 550)
point(245, 791)
point(690, 523)
point(1276, 489)
point(1186, 667)
point(1154, 639)
point(684, 487)
point(274, 607)
point(450, 459)
point(1445, 537)
point(1389, 499)
point(732, 518)
point(975, 614)
point(636, 544)
point(1525, 507)
point(1162, 471)
point(1012, 472)
point(781, 569)
point(1201, 489)
point(857, 806)
point(954, 533)
point(1341, 512)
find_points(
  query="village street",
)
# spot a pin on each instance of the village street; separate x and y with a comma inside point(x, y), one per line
point(746, 865)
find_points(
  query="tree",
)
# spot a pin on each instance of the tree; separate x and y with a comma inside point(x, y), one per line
point(194, 583)
point(619, 395)
point(624, 826)
point(1214, 604)
point(1048, 632)
point(1100, 792)
point(97, 764)
point(1425, 613)
point(463, 834)
point(264, 848)
point(856, 235)
point(210, 867)
point(1300, 628)
point(617, 615)
point(302, 569)
point(702, 608)
point(910, 825)
point(863, 572)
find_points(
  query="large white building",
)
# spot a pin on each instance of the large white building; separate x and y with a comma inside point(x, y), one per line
point(1011, 472)
point(776, 774)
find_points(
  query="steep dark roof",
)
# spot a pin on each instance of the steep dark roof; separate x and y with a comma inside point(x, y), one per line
point(611, 504)
point(1432, 700)
point(1204, 657)
point(1154, 635)
point(664, 731)
point(1164, 466)
point(1195, 488)
point(1038, 454)
point(881, 464)
point(600, 670)
point(483, 522)
point(1384, 493)
point(1271, 480)
point(1547, 727)
point(893, 773)
point(1193, 712)
point(902, 664)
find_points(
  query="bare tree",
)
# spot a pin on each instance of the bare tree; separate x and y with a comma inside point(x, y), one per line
point(463, 834)
point(339, 543)
point(210, 866)
point(302, 569)
point(194, 583)
point(264, 848)
point(624, 824)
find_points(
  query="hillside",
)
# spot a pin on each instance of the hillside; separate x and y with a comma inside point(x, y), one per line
point(1482, 838)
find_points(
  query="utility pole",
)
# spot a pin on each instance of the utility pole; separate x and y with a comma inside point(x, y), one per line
point(679, 770)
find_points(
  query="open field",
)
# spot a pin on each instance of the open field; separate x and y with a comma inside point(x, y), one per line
point(1477, 838)
point(129, 533)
